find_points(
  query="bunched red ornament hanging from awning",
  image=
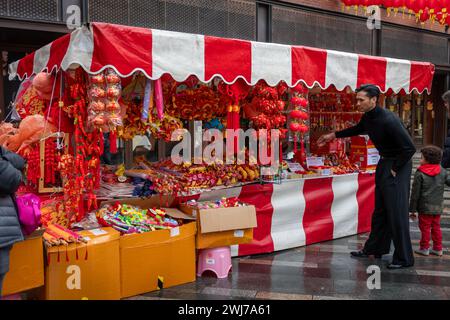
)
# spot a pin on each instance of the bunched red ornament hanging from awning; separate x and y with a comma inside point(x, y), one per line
point(424, 10)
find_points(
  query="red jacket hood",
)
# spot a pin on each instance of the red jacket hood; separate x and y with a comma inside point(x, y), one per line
point(430, 169)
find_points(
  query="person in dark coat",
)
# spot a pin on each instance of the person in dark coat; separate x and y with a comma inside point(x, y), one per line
point(446, 155)
point(11, 166)
point(390, 219)
point(427, 198)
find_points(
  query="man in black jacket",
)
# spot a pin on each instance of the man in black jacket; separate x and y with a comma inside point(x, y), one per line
point(11, 166)
point(446, 156)
point(390, 220)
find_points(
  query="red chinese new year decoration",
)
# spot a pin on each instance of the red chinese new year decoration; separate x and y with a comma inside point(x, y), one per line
point(298, 126)
point(424, 10)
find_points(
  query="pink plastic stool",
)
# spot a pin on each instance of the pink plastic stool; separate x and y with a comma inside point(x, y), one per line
point(217, 260)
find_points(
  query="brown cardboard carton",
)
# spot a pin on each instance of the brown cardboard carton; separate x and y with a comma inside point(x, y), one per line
point(26, 269)
point(223, 226)
point(157, 259)
point(95, 275)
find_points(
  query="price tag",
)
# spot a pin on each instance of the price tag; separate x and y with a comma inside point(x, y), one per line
point(175, 232)
point(239, 233)
point(294, 167)
point(314, 161)
point(98, 232)
point(373, 159)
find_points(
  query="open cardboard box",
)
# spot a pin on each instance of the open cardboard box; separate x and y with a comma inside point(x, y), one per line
point(157, 259)
point(223, 226)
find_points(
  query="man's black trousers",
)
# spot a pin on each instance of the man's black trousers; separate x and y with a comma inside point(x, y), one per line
point(390, 220)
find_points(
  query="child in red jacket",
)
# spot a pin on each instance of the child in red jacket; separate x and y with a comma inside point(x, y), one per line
point(427, 198)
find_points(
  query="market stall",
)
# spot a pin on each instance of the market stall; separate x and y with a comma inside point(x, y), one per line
point(103, 84)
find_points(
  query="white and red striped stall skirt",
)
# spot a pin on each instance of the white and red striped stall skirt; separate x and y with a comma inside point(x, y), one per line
point(302, 212)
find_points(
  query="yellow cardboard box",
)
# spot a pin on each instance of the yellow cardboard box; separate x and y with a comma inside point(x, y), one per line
point(158, 259)
point(223, 226)
point(26, 268)
point(95, 275)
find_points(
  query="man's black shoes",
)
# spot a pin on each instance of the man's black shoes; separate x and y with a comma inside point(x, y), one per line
point(362, 254)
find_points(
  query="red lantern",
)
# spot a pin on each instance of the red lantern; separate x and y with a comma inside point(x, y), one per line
point(302, 128)
point(303, 102)
point(296, 114)
point(294, 126)
point(410, 5)
point(303, 116)
point(397, 4)
point(421, 4)
point(444, 5)
point(433, 6)
point(425, 15)
point(414, 5)
point(365, 3)
point(388, 3)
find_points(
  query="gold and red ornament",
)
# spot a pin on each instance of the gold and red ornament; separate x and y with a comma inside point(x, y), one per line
point(163, 129)
point(82, 171)
point(235, 93)
point(202, 103)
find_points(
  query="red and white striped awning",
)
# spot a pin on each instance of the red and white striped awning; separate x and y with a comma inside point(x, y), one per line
point(155, 52)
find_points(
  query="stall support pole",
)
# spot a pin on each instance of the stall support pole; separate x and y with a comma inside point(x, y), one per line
point(161, 149)
point(128, 154)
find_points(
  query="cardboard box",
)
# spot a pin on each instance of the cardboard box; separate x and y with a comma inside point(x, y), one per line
point(26, 268)
point(95, 276)
point(224, 226)
point(157, 259)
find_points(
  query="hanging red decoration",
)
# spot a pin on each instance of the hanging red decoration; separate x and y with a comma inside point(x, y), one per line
point(297, 125)
point(236, 92)
point(424, 15)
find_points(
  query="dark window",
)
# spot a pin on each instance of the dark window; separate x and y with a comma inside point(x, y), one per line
point(36, 9)
point(294, 26)
point(413, 45)
point(222, 18)
point(109, 11)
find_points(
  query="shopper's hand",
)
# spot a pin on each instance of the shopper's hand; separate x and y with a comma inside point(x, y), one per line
point(394, 174)
point(325, 139)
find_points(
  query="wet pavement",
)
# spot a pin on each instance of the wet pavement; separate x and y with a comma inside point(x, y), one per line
point(322, 271)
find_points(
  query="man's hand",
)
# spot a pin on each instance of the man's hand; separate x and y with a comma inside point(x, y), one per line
point(394, 174)
point(325, 139)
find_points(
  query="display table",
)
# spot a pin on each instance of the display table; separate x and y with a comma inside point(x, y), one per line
point(301, 212)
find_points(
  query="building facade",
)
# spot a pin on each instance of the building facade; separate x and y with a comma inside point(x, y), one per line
point(27, 25)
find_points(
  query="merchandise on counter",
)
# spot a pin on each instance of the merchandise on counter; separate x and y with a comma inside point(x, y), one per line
point(52, 212)
point(144, 188)
point(115, 190)
point(56, 235)
point(89, 222)
point(188, 178)
point(222, 203)
point(131, 219)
